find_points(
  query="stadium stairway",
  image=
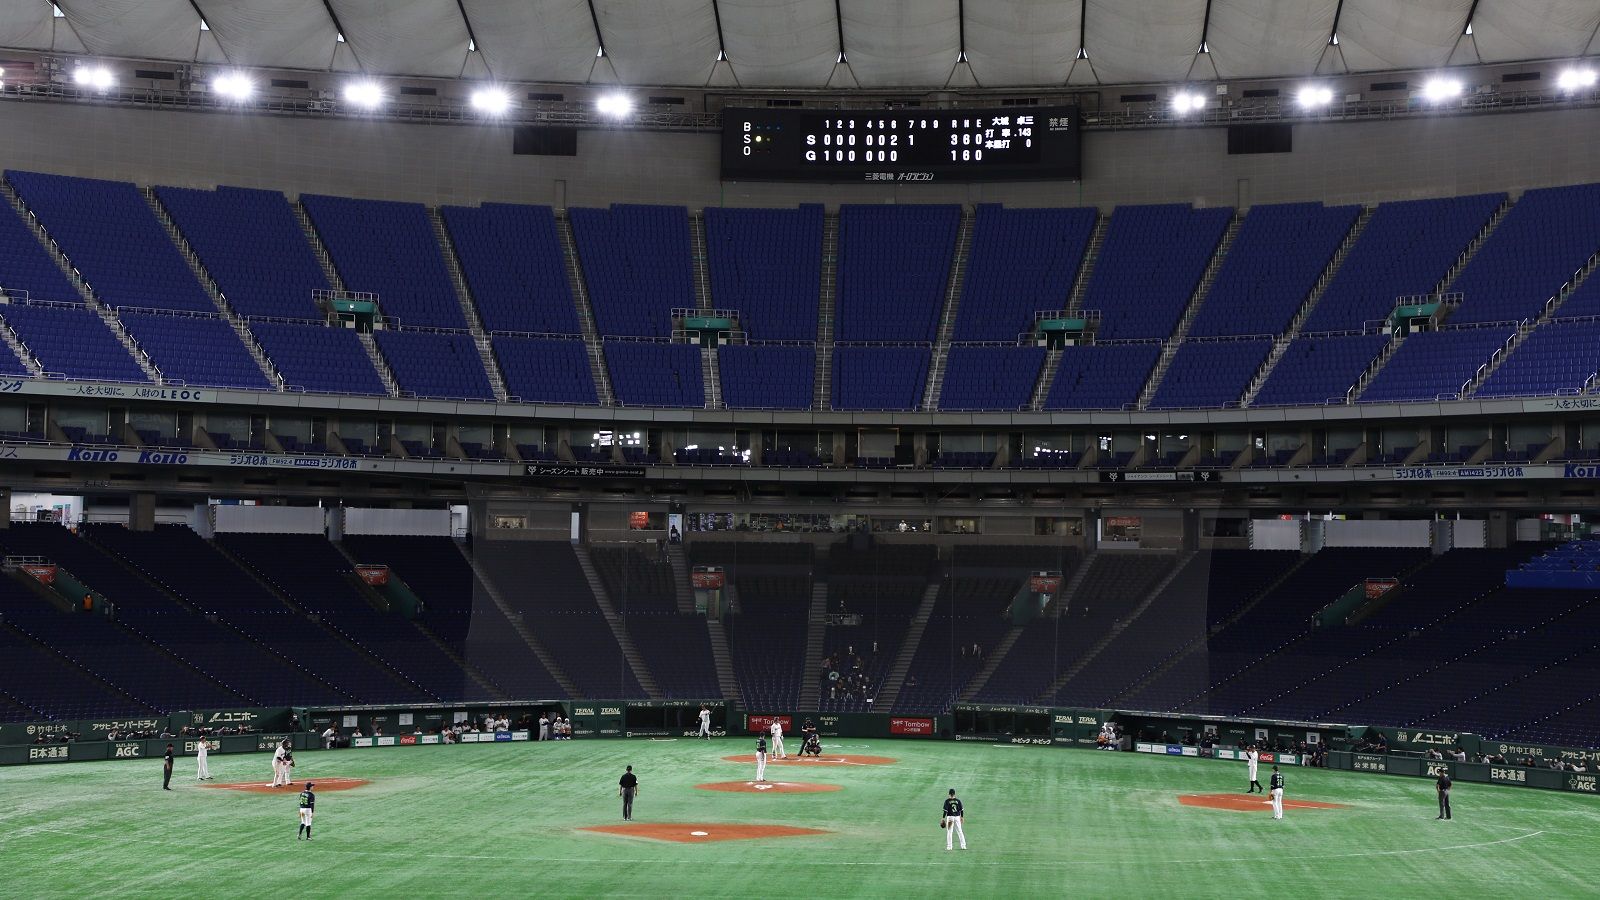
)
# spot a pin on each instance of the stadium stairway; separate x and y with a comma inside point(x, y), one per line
point(489, 589)
point(1551, 311)
point(990, 663)
point(1069, 592)
point(722, 660)
point(699, 262)
point(682, 592)
point(319, 249)
point(827, 307)
point(947, 315)
point(469, 309)
point(602, 598)
point(1169, 347)
point(889, 690)
point(484, 683)
point(816, 630)
point(1091, 255)
point(580, 296)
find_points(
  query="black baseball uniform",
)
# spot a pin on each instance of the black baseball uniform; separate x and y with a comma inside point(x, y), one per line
point(166, 770)
point(952, 808)
point(629, 785)
point(1443, 786)
point(1277, 781)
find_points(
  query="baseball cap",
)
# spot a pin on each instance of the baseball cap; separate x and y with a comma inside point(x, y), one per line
point(310, 785)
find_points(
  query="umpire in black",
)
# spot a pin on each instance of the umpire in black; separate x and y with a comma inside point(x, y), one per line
point(1443, 786)
point(627, 788)
point(166, 770)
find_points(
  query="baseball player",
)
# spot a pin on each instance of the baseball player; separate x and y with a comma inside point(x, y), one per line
point(705, 723)
point(308, 808)
point(202, 768)
point(1443, 787)
point(951, 822)
point(1252, 757)
point(1277, 793)
point(761, 759)
point(627, 789)
point(777, 739)
point(812, 745)
point(279, 774)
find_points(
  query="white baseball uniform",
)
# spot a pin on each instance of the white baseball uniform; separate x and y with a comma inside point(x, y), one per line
point(777, 740)
point(705, 723)
point(202, 768)
point(761, 760)
point(1251, 759)
point(279, 776)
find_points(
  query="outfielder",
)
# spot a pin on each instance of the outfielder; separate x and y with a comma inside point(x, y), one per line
point(202, 768)
point(705, 723)
point(761, 759)
point(308, 808)
point(951, 822)
point(1277, 793)
point(777, 739)
point(1252, 757)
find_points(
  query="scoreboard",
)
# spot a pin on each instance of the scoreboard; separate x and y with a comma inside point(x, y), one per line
point(1014, 143)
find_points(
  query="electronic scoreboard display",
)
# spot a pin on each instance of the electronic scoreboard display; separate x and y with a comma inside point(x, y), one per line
point(1016, 143)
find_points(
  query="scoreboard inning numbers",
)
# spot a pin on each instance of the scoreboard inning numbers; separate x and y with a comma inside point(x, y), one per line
point(1019, 143)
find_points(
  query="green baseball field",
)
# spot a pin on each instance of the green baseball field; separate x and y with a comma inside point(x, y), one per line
point(516, 820)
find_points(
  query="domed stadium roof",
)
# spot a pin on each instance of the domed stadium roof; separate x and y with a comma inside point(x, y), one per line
point(799, 43)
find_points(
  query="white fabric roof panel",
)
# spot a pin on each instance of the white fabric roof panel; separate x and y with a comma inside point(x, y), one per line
point(1022, 41)
point(411, 37)
point(154, 29)
point(1510, 30)
point(675, 41)
point(534, 40)
point(295, 34)
point(1149, 40)
point(780, 43)
point(901, 42)
point(1383, 34)
point(1251, 38)
point(25, 26)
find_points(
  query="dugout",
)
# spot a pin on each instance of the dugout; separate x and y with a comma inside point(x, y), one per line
point(1019, 724)
point(672, 718)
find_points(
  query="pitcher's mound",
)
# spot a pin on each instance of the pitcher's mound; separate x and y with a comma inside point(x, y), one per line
point(1250, 802)
point(826, 759)
point(702, 834)
point(294, 787)
point(768, 787)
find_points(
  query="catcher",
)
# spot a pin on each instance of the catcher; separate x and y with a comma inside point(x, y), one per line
point(812, 745)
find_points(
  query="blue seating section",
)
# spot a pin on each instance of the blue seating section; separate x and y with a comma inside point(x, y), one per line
point(1021, 261)
point(1317, 368)
point(442, 365)
point(1272, 267)
point(388, 248)
point(1585, 301)
point(1151, 264)
point(114, 240)
point(1431, 364)
point(767, 264)
point(25, 265)
point(9, 363)
point(1405, 249)
point(319, 358)
point(894, 268)
point(1101, 376)
point(73, 341)
point(1558, 357)
point(512, 259)
point(202, 350)
point(636, 265)
point(543, 370)
point(1546, 237)
point(251, 245)
point(879, 377)
point(992, 378)
point(1210, 373)
point(645, 373)
point(758, 376)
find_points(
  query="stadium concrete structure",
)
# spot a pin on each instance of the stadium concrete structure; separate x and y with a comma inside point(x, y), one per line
point(379, 367)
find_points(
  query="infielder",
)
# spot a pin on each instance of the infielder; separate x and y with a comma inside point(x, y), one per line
point(279, 774)
point(777, 739)
point(308, 808)
point(951, 822)
point(1277, 793)
point(705, 723)
point(1252, 757)
point(202, 768)
point(761, 759)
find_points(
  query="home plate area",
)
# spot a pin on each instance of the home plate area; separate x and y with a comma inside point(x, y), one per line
point(1250, 802)
point(768, 787)
point(690, 833)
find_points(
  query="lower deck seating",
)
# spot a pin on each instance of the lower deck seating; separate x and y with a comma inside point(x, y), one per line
point(1433, 364)
point(72, 341)
point(1317, 369)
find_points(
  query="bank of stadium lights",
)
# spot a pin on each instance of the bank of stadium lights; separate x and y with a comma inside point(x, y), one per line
point(1574, 80)
point(1313, 96)
point(615, 106)
point(1441, 90)
point(491, 101)
point(1184, 102)
point(364, 94)
point(94, 77)
point(233, 86)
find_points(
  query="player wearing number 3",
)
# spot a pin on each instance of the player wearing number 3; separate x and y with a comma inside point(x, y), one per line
point(951, 822)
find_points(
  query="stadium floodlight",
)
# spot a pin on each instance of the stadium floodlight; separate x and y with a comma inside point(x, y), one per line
point(365, 94)
point(1186, 101)
point(91, 76)
point(614, 105)
point(491, 101)
point(1314, 95)
point(233, 86)
point(1438, 90)
point(1573, 80)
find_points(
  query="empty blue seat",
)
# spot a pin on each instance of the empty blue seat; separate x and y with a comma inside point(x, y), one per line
point(440, 365)
point(512, 259)
point(72, 341)
point(251, 245)
point(990, 378)
point(885, 378)
point(894, 271)
point(767, 265)
point(1210, 373)
point(1315, 369)
point(319, 358)
point(636, 266)
point(646, 373)
point(1021, 261)
point(540, 370)
point(1150, 265)
point(201, 350)
point(1432, 364)
point(388, 248)
point(1101, 376)
point(767, 377)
